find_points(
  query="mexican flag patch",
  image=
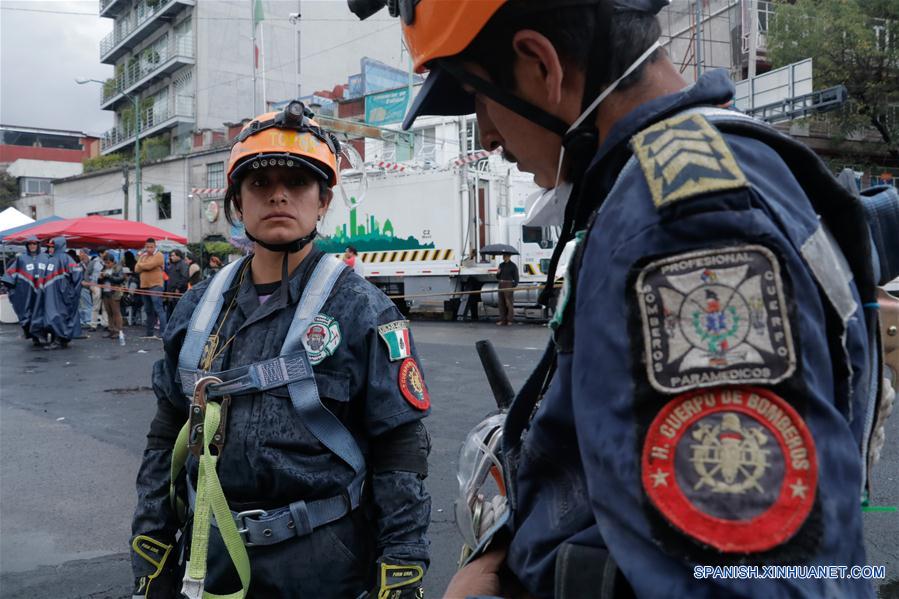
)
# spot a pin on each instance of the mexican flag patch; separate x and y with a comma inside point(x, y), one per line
point(396, 335)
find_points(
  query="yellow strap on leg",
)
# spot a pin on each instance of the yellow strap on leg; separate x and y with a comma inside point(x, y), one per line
point(211, 502)
point(179, 457)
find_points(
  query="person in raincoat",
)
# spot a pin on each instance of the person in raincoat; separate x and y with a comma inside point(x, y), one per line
point(22, 280)
point(56, 306)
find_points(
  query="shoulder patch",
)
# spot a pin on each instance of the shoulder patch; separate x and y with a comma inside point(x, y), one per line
point(412, 385)
point(685, 156)
point(322, 338)
point(715, 317)
point(734, 468)
point(396, 336)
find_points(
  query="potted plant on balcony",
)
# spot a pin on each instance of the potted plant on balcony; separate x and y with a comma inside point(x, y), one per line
point(126, 117)
point(151, 57)
point(109, 88)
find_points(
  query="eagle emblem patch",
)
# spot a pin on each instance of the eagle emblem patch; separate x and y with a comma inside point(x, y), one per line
point(685, 156)
point(715, 317)
point(734, 468)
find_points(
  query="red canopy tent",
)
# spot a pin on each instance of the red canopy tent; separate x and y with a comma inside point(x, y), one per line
point(93, 231)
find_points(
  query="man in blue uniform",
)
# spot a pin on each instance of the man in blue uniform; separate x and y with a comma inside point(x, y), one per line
point(321, 451)
point(706, 393)
point(22, 280)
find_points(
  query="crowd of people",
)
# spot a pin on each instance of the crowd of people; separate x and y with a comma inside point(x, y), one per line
point(60, 294)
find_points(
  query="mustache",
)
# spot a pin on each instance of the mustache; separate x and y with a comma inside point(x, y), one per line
point(507, 155)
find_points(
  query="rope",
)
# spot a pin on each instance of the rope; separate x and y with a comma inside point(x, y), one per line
point(176, 295)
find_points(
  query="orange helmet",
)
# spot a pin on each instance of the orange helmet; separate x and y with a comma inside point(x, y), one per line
point(441, 29)
point(286, 138)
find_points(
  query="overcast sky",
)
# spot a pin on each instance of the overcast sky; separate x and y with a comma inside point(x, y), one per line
point(44, 45)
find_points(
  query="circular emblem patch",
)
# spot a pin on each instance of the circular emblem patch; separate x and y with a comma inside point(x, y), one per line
point(321, 339)
point(412, 385)
point(734, 468)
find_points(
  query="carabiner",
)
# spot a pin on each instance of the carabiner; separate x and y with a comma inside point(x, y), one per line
point(198, 414)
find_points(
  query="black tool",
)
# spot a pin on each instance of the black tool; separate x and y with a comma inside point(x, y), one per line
point(496, 376)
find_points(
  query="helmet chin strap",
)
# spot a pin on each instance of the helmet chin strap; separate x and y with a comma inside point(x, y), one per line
point(291, 247)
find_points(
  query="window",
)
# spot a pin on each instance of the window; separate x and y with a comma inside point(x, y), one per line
point(31, 186)
point(215, 175)
point(472, 137)
point(426, 144)
point(539, 235)
point(164, 206)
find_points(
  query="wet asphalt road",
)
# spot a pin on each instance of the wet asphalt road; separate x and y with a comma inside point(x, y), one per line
point(72, 428)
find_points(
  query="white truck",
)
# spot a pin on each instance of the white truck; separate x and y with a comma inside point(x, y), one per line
point(419, 233)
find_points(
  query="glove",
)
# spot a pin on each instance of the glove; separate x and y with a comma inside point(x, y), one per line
point(164, 581)
point(398, 581)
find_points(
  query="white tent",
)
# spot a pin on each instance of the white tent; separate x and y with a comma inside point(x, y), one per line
point(11, 217)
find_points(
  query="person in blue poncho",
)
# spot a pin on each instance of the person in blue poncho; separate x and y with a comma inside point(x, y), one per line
point(21, 278)
point(56, 306)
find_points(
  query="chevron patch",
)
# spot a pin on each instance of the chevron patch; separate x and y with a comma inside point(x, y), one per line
point(685, 156)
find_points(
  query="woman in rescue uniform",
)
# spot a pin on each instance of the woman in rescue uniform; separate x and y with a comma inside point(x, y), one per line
point(320, 448)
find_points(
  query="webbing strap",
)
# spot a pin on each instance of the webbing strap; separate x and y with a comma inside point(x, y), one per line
point(314, 297)
point(261, 376)
point(179, 457)
point(203, 319)
point(211, 502)
point(320, 421)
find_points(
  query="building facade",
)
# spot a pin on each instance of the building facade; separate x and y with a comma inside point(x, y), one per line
point(187, 65)
point(36, 156)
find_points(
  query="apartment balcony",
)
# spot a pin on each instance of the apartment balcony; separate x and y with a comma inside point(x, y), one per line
point(112, 8)
point(151, 64)
point(134, 28)
point(153, 120)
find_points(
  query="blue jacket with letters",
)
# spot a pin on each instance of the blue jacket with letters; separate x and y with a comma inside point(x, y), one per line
point(709, 400)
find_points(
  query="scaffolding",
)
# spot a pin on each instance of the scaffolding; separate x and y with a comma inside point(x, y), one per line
point(718, 41)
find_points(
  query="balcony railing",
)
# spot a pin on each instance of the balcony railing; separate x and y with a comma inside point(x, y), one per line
point(159, 60)
point(127, 27)
point(107, 4)
point(152, 118)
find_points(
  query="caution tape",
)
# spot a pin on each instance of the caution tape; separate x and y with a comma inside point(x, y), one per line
point(460, 293)
point(176, 295)
point(136, 291)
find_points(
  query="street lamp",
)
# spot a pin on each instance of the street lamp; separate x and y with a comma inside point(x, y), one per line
point(136, 102)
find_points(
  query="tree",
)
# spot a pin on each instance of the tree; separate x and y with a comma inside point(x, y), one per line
point(854, 43)
point(9, 190)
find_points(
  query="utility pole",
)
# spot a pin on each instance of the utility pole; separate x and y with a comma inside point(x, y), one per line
point(753, 46)
point(253, 24)
point(137, 179)
point(125, 184)
point(698, 38)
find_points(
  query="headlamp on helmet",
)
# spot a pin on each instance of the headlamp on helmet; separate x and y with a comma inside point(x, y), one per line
point(302, 144)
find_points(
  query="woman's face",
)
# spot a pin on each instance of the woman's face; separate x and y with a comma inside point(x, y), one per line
point(280, 204)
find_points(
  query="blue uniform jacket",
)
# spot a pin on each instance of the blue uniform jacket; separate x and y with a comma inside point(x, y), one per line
point(270, 459)
point(710, 411)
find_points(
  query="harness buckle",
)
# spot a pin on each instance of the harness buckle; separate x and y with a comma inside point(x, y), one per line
point(241, 520)
point(198, 414)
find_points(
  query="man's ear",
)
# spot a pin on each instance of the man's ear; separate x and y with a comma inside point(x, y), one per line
point(538, 66)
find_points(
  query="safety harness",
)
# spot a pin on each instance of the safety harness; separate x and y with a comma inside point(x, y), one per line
point(204, 433)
